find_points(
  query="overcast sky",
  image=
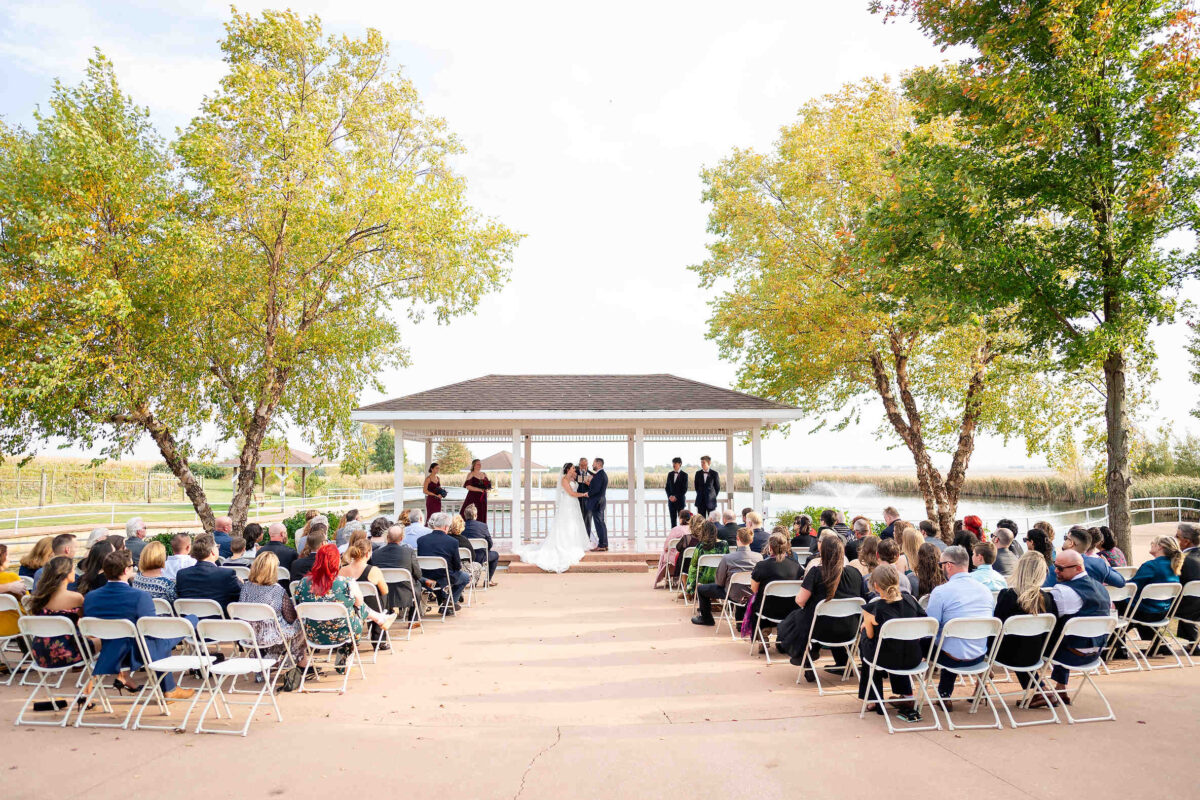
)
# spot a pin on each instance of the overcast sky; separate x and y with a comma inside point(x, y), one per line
point(586, 128)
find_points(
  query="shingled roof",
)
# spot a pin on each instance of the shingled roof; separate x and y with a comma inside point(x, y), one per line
point(577, 393)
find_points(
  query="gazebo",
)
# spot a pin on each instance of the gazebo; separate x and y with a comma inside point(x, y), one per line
point(522, 409)
point(283, 461)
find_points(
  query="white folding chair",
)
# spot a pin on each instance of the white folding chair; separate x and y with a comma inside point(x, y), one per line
point(263, 614)
point(1121, 633)
point(371, 591)
point(843, 608)
point(970, 628)
point(50, 627)
point(10, 643)
point(472, 569)
point(28, 581)
point(162, 607)
point(200, 607)
point(1191, 589)
point(105, 630)
point(243, 573)
point(773, 589)
point(1021, 626)
point(293, 587)
point(241, 633)
point(330, 612)
point(1088, 628)
point(1162, 636)
point(477, 545)
point(1126, 572)
point(729, 607)
point(427, 563)
point(400, 575)
point(712, 560)
point(908, 629)
point(282, 575)
point(158, 669)
point(685, 561)
point(670, 547)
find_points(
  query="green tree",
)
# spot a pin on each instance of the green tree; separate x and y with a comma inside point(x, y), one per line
point(452, 455)
point(1073, 158)
point(802, 314)
point(383, 452)
point(330, 198)
point(101, 296)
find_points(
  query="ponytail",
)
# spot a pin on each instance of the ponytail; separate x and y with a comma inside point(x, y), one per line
point(1171, 550)
point(886, 579)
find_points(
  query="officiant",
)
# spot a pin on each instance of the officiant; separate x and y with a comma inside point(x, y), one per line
point(583, 476)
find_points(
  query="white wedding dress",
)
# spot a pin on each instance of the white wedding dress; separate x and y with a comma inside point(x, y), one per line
point(566, 541)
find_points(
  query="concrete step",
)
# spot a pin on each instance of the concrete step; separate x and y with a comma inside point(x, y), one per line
point(644, 559)
point(520, 568)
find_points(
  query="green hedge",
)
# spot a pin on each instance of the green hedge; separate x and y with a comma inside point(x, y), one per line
point(292, 523)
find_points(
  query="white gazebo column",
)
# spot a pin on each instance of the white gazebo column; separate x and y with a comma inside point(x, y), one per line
point(730, 473)
point(630, 505)
point(756, 476)
point(528, 463)
point(397, 471)
point(428, 454)
point(639, 493)
point(515, 515)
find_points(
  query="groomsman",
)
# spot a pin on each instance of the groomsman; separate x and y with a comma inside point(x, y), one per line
point(584, 476)
point(677, 486)
point(708, 487)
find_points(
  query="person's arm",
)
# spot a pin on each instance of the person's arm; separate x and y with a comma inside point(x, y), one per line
point(1111, 576)
point(16, 588)
point(425, 487)
point(1144, 574)
point(716, 483)
point(375, 576)
point(802, 597)
point(723, 573)
point(288, 609)
point(868, 624)
point(935, 608)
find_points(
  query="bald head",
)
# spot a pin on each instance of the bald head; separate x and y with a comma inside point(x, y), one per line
point(224, 524)
point(395, 534)
point(1068, 564)
point(277, 532)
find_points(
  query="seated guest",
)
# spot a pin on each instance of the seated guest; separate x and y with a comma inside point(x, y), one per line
point(98, 535)
point(890, 603)
point(237, 554)
point(709, 544)
point(37, 557)
point(180, 558)
point(803, 534)
point(929, 572)
point(1108, 549)
point(378, 532)
point(930, 535)
point(62, 545)
point(1074, 594)
point(680, 565)
point(92, 566)
point(822, 583)
point(889, 553)
point(52, 597)
point(740, 559)
point(360, 570)
point(959, 597)
point(910, 540)
point(1188, 536)
point(727, 532)
point(439, 543)
point(135, 537)
point(967, 541)
point(10, 583)
point(815, 561)
point(839, 525)
point(1079, 540)
point(357, 535)
point(277, 533)
point(323, 584)
point(1037, 541)
point(775, 566)
point(116, 599)
point(1006, 560)
point(890, 517)
point(754, 522)
point(1024, 595)
point(666, 558)
point(395, 555)
point(150, 568)
point(983, 558)
point(1163, 567)
point(868, 556)
point(415, 529)
point(479, 530)
point(341, 536)
point(746, 517)
point(252, 535)
point(262, 587)
point(828, 520)
point(205, 580)
point(223, 535)
point(472, 566)
point(313, 541)
point(975, 525)
point(347, 533)
point(1015, 545)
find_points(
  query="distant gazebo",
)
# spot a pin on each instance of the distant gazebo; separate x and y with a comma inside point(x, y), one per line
point(581, 408)
point(503, 462)
point(283, 461)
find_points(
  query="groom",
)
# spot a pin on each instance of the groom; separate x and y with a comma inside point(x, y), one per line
point(595, 504)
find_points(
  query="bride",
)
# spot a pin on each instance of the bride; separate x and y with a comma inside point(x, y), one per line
point(567, 540)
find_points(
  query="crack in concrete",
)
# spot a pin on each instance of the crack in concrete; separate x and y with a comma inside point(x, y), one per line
point(539, 754)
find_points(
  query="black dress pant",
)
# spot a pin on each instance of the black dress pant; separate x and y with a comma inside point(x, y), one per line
point(709, 592)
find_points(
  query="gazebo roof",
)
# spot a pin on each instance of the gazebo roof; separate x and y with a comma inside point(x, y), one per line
point(502, 462)
point(572, 407)
point(279, 457)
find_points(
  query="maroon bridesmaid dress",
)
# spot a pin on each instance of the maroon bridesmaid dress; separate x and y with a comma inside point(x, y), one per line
point(433, 502)
point(479, 499)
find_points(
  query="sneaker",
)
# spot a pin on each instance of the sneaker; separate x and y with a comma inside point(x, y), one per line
point(909, 715)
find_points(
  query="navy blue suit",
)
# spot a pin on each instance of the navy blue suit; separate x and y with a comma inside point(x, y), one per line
point(595, 505)
point(209, 582)
point(479, 530)
point(443, 545)
point(119, 600)
point(224, 543)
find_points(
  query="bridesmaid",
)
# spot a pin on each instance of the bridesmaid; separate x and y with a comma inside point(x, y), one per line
point(477, 485)
point(433, 498)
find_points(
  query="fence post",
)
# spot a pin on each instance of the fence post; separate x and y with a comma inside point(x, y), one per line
point(42, 491)
point(113, 516)
point(147, 487)
point(17, 521)
point(104, 491)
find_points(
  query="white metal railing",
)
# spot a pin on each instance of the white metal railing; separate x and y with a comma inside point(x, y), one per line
point(1096, 516)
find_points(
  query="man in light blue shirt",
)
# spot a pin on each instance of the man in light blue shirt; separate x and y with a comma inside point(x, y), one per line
point(415, 528)
point(959, 597)
point(983, 555)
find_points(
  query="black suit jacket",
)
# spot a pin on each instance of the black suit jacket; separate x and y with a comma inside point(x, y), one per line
point(677, 486)
point(478, 530)
point(707, 488)
point(208, 581)
point(285, 554)
point(596, 490)
point(760, 540)
point(398, 556)
point(728, 533)
point(440, 543)
point(1189, 607)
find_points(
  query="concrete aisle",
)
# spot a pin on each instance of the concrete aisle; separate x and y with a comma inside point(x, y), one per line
point(592, 686)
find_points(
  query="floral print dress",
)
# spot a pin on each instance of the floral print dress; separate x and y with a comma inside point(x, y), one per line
point(54, 652)
point(330, 632)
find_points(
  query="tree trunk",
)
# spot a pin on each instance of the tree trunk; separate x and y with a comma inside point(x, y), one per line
point(174, 459)
point(239, 508)
point(1117, 479)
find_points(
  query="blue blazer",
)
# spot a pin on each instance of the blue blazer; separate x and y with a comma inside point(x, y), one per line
point(119, 600)
point(1099, 570)
point(224, 543)
point(478, 530)
point(596, 490)
point(439, 543)
point(208, 581)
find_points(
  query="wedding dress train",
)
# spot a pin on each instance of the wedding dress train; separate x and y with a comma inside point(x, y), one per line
point(567, 540)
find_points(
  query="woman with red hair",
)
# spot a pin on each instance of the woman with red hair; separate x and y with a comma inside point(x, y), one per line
point(975, 525)
point(324, 585)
